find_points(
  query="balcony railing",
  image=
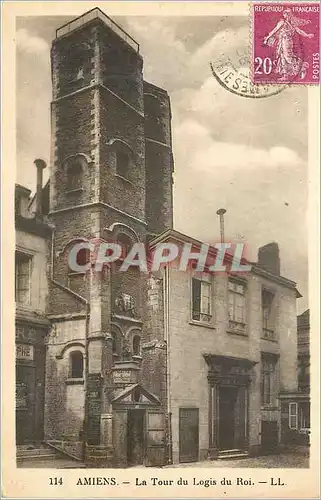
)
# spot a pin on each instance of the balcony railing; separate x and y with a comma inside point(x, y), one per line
point(92, 15)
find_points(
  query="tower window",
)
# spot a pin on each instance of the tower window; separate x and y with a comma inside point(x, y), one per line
point(122, 164)
point(76, 365)
point(74, 176)
point(136, 345)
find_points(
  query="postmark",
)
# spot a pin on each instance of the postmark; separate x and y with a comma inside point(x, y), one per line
point(285, 43)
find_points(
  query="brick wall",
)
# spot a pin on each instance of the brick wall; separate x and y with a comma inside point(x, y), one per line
point(159, 159)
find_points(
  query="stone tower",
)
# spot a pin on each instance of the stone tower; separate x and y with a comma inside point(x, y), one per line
point(111, 180)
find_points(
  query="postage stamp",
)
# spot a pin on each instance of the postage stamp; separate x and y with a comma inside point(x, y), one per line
point(285, 43)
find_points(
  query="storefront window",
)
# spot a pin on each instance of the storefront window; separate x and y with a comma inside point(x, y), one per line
point(22, 278)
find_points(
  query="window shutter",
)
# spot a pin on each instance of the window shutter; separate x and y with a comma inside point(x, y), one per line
point(293, 416)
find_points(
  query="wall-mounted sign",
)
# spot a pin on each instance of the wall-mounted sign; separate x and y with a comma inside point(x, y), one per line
point(21, 396)
point(25, 351)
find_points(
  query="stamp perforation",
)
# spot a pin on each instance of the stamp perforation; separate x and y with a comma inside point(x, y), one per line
point(289, 44)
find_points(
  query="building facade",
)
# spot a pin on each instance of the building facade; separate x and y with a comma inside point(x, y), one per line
point(111, 180)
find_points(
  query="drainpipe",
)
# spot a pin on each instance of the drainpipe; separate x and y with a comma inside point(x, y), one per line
point(40, 165)
point(84, 301)
point(168, 373)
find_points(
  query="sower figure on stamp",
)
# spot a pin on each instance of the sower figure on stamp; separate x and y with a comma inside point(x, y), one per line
point(287, 62)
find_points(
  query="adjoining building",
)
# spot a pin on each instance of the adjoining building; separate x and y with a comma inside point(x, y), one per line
point(231, 351)
point(296, 405)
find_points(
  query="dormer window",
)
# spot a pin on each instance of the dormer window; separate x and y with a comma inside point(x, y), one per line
point(136, 345)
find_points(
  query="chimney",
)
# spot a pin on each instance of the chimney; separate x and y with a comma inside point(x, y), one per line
point(268, 258)
point(220, 213)
point(40, 165)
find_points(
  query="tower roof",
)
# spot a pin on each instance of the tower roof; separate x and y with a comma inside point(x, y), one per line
point(92, 15)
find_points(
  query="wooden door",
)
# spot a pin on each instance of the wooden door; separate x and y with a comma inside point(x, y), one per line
point(155, 438)
point(188, 434)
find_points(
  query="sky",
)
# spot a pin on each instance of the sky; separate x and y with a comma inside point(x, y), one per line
point(248, 156)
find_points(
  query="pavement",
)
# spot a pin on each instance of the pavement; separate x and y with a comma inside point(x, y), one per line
point(283, 460)
point(50, 463)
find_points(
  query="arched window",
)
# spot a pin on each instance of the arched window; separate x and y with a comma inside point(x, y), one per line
point(116, 343)
point(76, 365)
point(75, 174)
point(136, 345)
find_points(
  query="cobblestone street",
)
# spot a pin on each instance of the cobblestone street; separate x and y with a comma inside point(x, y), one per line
point(283, 460)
